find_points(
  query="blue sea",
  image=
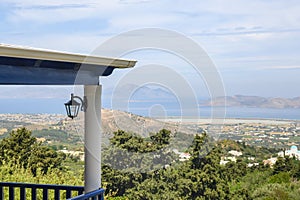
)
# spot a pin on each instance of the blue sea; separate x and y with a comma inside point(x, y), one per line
point(235, 112)
point(169, 110)
point(32, 106)
point(56, 106)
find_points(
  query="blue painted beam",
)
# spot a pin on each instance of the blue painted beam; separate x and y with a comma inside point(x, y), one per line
point(26, 71)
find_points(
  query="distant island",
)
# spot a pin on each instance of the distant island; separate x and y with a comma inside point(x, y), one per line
point(254, 101)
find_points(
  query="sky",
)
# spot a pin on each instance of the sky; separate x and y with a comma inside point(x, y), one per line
point(254, 45)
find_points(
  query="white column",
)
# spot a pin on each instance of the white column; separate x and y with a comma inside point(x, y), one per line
point(92, 138)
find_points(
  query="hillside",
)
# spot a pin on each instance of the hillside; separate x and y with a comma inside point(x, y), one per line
point(113, 120)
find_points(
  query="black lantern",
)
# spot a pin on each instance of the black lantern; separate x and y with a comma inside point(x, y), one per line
point(72, 106)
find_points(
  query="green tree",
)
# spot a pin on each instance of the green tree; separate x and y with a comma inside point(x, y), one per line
point(285, 164)
point(17, 148)
point(44, 158)
point(22, 150)
point(161, 138)
point(282, 177)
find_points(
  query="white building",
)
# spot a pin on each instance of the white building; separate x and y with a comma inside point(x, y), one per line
point(252, 164)
point(292, 152)
point(184, 156)
point(235, 153)
point(225, 160)
point(270, 161)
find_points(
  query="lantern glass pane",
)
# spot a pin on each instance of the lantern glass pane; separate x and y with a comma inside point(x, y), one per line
point(72, 108)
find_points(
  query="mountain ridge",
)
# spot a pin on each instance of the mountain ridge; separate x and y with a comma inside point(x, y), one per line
point(254, 101)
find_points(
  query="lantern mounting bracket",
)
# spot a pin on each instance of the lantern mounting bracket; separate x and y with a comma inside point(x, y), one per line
point(83, 101)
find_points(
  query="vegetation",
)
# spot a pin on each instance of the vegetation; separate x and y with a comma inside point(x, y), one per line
point(202, 176)
point(147, 168)
point(23, 159)
point(131, 152)
point(58, 139)
point(22, 149)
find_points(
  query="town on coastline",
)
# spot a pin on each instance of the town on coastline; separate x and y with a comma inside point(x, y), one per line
point(282, 135)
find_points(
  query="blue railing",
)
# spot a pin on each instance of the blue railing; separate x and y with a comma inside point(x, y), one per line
point(95, 195)
point(25, 191)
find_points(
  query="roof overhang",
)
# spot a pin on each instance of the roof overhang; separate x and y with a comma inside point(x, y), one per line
point(31, 66)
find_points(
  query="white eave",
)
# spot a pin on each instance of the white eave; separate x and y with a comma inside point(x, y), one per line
point(44, 54)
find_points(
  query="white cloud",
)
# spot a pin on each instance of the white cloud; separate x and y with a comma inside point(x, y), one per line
point(237, 34)
point(189, 17)
point(46, 12)
point(284, 67)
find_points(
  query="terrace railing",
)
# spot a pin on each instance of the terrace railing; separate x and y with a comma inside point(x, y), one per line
point(28, 191)
point(95, 195)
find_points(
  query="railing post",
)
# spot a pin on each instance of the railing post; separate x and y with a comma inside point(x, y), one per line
point(68, 193)
point(33, 193)
point(22, 193)
point(56, 194)
point(45, 194)
point(1, 192)
point(10, 194)
point(11, 190)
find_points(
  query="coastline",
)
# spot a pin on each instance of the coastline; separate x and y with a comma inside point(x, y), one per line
point(193, 120)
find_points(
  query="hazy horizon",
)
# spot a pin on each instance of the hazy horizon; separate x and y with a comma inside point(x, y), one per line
point(253, 45)
point(249, 48)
